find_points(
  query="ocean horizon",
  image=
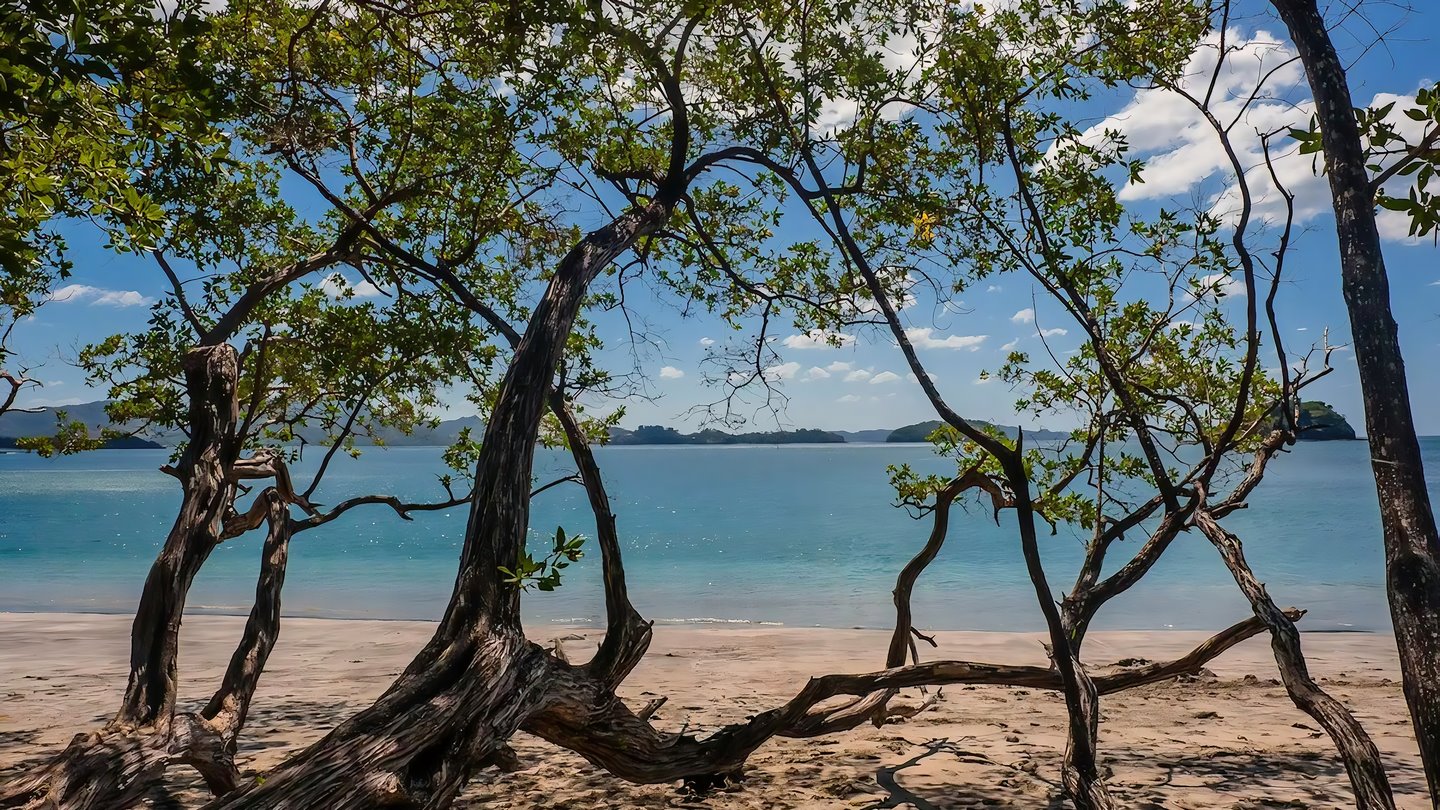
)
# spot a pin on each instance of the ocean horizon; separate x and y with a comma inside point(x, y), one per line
point(789, 535)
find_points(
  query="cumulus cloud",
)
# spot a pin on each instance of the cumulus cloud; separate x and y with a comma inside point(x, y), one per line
point(924, 338)
point(819, 339)
point(707, 342)
point(993, 288)
point(1183, 156)
point(912, 378)
point(858, 375)
point(839, 366)
point(884, 377)
point(816, 373)
point(1054, 332)
point(336, 286)
point(783, 371)
point(1010, 347)
point(1026, 315)
point(1217, 285)
point(671, 373)
point(98, 296)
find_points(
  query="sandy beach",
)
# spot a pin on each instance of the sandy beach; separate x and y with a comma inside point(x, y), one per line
point(1231, 740)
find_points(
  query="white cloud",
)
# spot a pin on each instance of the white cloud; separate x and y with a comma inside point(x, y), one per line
point(884, 377)
point(336, 285)
point(671, 373)
point(912, 378)
point(1026, 315)
point(707, 342)
point(848, 398)
point(819, 339)
point(1303, 329)
point(783, 371)
point(858, 375)
point(839, 366)
point(1056, 331)
point(1184, 157)
point(98, 296)
point(924, 338)
point(993, 288)
point(816, 373)
point(1217, 285)
point(983, 380)
point(1010, 347)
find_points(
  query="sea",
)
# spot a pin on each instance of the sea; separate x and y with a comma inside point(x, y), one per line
point(793, 535)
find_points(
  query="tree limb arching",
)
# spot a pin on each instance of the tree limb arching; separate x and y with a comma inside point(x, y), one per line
point(1357, 751)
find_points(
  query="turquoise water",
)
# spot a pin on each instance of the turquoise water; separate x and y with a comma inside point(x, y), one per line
point(797, 535)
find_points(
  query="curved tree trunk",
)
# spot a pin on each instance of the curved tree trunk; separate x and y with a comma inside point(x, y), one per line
point(1412, 544)
point(1357, 750)
point(478, 679)
point(113, 766)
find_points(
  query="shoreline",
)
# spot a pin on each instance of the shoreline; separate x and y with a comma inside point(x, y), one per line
point(1227, 738)
point(699, 622)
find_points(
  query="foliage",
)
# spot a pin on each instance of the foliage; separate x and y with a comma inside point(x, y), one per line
point(1392, 152)
point(544, 574)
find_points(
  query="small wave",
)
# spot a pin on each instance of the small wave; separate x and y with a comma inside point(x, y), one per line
point(718, 620)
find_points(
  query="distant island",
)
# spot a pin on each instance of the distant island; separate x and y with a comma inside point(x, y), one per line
point(1318, 422)
point(657, 434)
point(918, 431)
point(1321, 423)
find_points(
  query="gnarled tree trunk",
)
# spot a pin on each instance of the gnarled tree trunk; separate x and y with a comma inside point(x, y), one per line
point(111, 767)
point(478, 679)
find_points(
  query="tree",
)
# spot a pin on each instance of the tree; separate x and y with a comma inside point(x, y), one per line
point(1412, 544)
point(465, 155)
point(1002, 184)
point(88, 93)
point(244, 356)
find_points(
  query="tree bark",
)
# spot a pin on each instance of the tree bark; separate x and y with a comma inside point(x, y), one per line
point(478, 679)
point(1081, 773)
point(1412, 545)
point(224, 716)
point(113, 766)
point(1357, 751)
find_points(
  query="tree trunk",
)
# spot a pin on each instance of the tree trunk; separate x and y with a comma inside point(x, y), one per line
point(1357, 751)
point(1412, 546)
point(1081, 773)
point(112, 767)
point(478, 679)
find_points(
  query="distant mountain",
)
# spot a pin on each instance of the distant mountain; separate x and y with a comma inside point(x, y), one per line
point(119, 443)
point(657, 434)
point(42, 423)
point(16, 424)
point(918, 432)
point(877, 435)
point(442, 435)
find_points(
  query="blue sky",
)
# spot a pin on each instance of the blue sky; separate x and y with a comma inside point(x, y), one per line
point(865, 384)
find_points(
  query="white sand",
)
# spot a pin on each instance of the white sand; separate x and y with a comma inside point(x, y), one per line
point(1223, 742)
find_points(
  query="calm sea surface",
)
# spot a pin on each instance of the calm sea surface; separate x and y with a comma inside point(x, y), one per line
point(797, 535)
